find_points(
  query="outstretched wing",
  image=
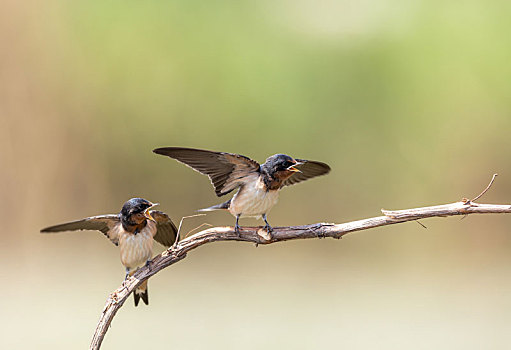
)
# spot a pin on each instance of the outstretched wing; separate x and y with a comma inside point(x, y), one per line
point(227, 171)
point(103, 223)
point(309, 169)
point(166, 230)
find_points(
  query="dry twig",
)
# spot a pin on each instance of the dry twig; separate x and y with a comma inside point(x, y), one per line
point(258, 236)
point(486, 189)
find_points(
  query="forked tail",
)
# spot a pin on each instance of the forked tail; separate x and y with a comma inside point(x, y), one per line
point(224, 205)
point(141, 293)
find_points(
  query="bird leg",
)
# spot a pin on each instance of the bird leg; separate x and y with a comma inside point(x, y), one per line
point(237, 226)
point(268, 228)
point(127, 273)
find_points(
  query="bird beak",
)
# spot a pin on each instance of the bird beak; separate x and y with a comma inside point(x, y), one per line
point(292, 167)
point(147, 214)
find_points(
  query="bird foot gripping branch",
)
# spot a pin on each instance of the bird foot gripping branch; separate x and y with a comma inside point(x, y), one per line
point(264, 234)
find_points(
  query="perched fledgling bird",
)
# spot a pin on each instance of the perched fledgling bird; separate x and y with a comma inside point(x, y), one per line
point(258, 185)
point(134, 230)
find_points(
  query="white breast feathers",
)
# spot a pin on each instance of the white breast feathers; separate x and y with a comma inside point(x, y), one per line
point(136, 249)
point(253, 199)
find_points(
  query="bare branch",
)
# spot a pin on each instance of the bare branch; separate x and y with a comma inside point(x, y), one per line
point(258, 236)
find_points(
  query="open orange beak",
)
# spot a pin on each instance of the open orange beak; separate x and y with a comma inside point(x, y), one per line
point(147, 214)
point(292, 168)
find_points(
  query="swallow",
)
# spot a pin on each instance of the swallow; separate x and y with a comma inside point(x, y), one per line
point(258, 184)
point(134, 230)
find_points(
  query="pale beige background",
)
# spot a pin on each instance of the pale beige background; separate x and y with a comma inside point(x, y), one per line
point(409, 104)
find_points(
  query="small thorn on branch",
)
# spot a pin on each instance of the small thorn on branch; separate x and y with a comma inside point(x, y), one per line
point(420, 223)
point(485, 190)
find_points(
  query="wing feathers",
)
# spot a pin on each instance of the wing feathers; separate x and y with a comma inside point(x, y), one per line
point(165, 234)
point(225, 170)
point(103, 223)
point(166, 230)
point(309, 169)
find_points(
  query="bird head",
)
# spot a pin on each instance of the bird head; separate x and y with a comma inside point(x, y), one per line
point(136, 211)
point(281, 166)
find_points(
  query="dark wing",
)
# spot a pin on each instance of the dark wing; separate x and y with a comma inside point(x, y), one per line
point(309, 169)
point(166, 230)
point(226, 171)
point(104, 223)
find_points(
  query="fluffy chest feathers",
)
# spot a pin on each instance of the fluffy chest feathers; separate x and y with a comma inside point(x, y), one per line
point(253, 199)
point(136, 249)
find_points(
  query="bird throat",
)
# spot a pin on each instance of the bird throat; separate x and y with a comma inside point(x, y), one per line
point(275, 182)
point(133, 227)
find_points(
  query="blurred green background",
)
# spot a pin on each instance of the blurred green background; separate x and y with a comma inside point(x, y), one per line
point(409, 102)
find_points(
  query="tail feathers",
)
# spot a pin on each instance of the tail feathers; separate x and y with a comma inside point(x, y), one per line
point(224, 205)
point(141, 293)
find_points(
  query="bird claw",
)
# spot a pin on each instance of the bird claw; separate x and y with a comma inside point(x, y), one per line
point(267, 227)
point(269, 230)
